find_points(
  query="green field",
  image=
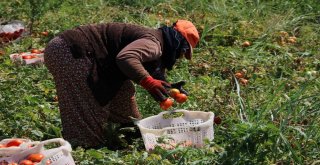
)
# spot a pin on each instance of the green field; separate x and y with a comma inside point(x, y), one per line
point(273, 118)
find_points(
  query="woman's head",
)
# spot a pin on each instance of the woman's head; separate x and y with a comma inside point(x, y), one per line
point(190, 33)
point(184, 50)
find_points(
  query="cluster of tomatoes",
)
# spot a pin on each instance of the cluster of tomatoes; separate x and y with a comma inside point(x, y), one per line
point(240, 75)
point(10, 36)
point(31, 159)
point(12, 143)
point(285, 38)
point(33, 55)
point(176, 95)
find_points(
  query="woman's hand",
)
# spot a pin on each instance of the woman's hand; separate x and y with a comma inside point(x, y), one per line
point(157, 88)
point(179, 86)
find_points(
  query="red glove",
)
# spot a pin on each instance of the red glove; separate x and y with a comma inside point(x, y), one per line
point(156, 88)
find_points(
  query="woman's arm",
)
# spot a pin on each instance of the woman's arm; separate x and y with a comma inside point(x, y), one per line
point(130, 58)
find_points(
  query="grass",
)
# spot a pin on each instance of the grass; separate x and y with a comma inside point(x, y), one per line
point(271, 120)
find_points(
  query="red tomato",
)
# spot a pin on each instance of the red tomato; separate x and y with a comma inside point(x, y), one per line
point(45, 33)
point(15, 142)
point(243, 81)
point(166, 104)
point(239, 75)
point(26, 162)
point(28, 57)
point(181, 98)
point(35, 157)
point(217, 120)
point(15, 34)
point(246, 44)
point(9, 35)
point(173, 92)
point(36, 51)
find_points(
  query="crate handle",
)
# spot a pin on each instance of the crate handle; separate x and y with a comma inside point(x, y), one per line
point(65, 148)
point(64, 144)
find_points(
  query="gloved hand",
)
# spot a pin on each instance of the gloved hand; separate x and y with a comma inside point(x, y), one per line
point(179, 85)
point(156, 88)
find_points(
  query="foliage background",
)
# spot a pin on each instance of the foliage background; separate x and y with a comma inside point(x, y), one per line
point(271, 120)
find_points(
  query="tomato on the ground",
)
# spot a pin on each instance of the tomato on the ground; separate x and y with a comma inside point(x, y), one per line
point(217, 120)
point(36, 51)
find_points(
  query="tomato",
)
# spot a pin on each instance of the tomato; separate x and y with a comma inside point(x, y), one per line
point(246, 44)
point(284, 33)
point(15, 35)
point(45, 33)
point(181, 98)
point(15, 142)
point(292, 40)
point(173, 92)
point(28, 57)
point(167, 103)
point(26, 162)
point(36, 51)
point(243, 81)
point(2, 146)
point(239, 75)
point(9, 36)
point(293, 37)
point(35, 157)
point(217, 120)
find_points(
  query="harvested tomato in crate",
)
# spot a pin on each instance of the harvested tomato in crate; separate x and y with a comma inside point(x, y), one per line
point(35, 56)
point(12, 146)
point(11, 31)
point(177, 128)
point(41, 153)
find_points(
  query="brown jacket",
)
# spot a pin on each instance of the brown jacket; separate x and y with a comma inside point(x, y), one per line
point(118, 51)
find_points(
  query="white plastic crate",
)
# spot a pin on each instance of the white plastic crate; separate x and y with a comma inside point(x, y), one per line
point(187, 128)
point(27, 58)
point(11, 31)
point(57, 156)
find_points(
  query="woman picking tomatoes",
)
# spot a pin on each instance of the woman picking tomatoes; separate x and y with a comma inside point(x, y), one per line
point(94, 68)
